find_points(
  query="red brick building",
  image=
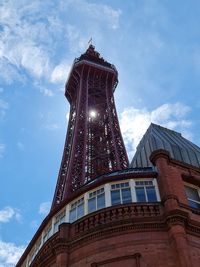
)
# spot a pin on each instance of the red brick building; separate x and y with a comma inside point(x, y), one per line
point(145, 215)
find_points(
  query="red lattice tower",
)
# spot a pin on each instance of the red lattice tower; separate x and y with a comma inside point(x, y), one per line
point(94, 145)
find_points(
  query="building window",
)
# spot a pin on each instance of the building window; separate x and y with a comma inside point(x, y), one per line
point(47, 234)
point(77, 210)
point(96, 200)
point(145, 191)
point(60, 218)
point(120, 193)
point(193, 196)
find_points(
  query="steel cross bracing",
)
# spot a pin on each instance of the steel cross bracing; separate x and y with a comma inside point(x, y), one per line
point(94, 144)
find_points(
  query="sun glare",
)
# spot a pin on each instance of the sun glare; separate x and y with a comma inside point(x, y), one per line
point(92, 114)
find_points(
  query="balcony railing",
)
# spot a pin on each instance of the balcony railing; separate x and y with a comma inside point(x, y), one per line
point(117, 213)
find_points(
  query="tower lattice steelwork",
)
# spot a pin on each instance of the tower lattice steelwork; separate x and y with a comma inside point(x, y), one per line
point(94, 144)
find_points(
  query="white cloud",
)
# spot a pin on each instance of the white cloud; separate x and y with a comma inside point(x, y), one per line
point(20, 146)
point(3, 107)
point(9, 254)
point(34, 59)
point(134, 122)
point(52, 126)
point(2, 150)
point(60, 73)
point(30, 34)
point(67, 115)
point(166, 111)
point(98, 11)
point(46, 92)
point(8, 213)
point(43, 90)
point(44, 208)
point(3, 104)
point(26, 39)
point(34, 224)
point(20, 38)
point(77, 41)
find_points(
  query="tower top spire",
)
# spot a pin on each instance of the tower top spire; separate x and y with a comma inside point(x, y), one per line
point(91, 51)
point(92, 55)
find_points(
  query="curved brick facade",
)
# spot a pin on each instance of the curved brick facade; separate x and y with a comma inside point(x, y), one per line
point(160, 234)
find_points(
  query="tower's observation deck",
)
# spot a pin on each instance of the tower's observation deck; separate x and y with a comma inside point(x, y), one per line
point(94, 145)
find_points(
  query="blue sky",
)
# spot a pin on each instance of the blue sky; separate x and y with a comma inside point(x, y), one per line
point(155, 45)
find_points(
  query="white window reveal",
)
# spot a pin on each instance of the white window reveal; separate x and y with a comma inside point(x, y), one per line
point(193, 196)
point(96, 200)
point(76, 210)
point(145, 191)
point(38, 246)
point(60, 218)
point(31, 257)
point(35, 251)
point(120, 193)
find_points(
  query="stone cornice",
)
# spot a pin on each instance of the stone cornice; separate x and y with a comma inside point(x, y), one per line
point(185, 167)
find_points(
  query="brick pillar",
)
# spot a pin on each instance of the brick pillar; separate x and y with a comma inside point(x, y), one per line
point(172, 192)
point(62, 257)
point(178, 239)
point(170, 182)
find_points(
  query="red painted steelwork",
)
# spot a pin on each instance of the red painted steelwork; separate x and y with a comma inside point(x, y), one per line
point(94, 144)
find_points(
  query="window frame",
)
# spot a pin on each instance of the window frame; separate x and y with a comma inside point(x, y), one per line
point(197, 188)
point(154, 183)
point(120, 191)
point(47, 233)
point(59, 219)
point(77, 204)
point(96, 198)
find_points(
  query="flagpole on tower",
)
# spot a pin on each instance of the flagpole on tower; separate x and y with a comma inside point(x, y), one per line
point(90, 42)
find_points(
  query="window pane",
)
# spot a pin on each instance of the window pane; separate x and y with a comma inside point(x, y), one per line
point(115, 197)
point(101, 201)
point(80, 210)
point(193, 204)
point(92, 204)
point(140, 194)
point(56, 224)
point(62, 219)
point(72, 215)
point(126, 195)
point(192, 193)
point(151, 194)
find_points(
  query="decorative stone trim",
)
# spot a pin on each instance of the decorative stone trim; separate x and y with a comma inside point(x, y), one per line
point(109, 222)
point(158, 154)
point(169, 197)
